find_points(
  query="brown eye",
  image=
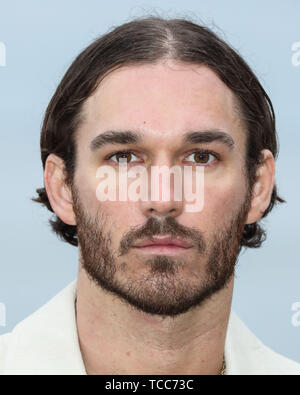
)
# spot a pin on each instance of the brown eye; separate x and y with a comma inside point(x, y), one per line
point(201, 157)
point(124, 155)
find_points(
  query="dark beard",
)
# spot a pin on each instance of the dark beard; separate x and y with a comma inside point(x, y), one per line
point(163, 291)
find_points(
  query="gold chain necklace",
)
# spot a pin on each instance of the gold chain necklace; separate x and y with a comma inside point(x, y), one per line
point(223, 370)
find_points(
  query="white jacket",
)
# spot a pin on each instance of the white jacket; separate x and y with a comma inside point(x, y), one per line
point(47, 343)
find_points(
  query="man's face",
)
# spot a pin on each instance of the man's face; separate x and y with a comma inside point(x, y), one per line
point(162, 103)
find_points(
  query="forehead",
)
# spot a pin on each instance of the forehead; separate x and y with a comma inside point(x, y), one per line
point(162, 100)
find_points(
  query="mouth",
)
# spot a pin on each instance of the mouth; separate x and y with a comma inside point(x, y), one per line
point(163, 246)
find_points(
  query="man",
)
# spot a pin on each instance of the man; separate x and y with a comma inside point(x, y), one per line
point(155, 280)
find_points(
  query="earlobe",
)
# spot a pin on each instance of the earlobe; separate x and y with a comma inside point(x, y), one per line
point(58, 192)
point(262, 190)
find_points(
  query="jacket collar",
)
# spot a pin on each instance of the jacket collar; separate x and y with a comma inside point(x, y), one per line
point(47, 343)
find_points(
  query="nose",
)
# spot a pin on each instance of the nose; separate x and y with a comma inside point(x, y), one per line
point(161, 209)
point(162, 199)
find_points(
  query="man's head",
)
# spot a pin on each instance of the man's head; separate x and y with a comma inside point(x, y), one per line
point(146, 86)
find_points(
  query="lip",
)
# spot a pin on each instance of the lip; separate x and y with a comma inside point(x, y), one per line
point(168, 242)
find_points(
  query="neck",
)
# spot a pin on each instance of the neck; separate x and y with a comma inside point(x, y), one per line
point(116, 338)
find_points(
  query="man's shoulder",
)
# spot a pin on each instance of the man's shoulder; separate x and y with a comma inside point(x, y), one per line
point(246, 354)
point(45, 342)
point(4, 344)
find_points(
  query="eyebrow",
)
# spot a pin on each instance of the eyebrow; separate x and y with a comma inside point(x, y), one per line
point(208, 136)
point(131, 137)
point(115, 137)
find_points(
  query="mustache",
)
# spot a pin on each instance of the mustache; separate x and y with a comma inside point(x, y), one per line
point(167, 226)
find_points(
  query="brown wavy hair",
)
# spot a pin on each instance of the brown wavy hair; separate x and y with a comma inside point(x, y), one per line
point(149, 40)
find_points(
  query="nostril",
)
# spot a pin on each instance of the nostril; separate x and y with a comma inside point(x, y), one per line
point(160, 213)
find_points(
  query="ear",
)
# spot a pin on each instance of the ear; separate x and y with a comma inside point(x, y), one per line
point(263, 187)
point(58, 192)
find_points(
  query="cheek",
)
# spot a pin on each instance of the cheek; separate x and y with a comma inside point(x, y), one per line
point(86, 185)
point(115, 214)
point(222, 201)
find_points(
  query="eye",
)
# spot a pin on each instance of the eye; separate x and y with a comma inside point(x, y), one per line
point(127, 155)
point(202, 157)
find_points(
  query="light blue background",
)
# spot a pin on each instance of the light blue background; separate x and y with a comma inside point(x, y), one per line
point(42, 38)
